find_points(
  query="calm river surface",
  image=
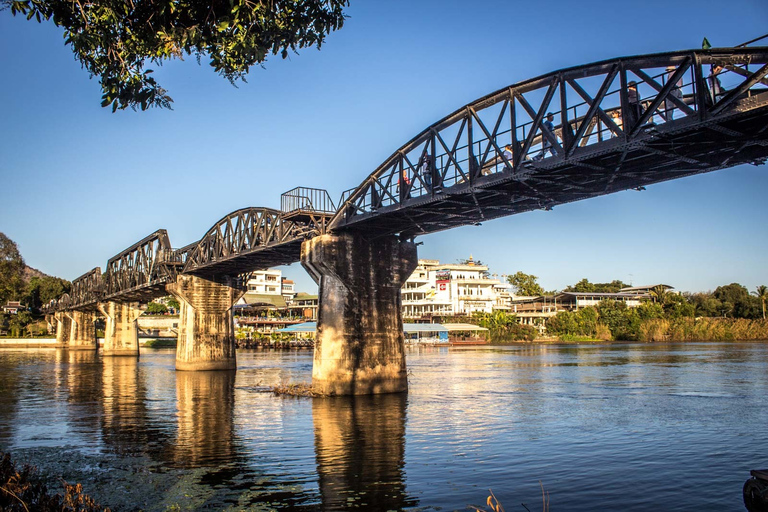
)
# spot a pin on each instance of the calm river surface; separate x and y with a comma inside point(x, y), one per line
point(603, 427)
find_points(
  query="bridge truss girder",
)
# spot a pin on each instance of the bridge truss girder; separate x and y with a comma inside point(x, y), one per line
point(601, 143)
point(140, 272)
point(250, 239)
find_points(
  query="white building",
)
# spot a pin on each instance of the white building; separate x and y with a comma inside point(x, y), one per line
point(266, 282)
point(287, 289)
point(436, 289)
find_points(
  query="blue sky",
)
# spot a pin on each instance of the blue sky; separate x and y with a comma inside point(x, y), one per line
point(78, 184)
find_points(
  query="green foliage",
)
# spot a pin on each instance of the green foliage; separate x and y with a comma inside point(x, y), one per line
point(622, 321)
point(525, 284)
point(114, 40)
point(41, 290)
point(583, 322)
point(160, 343)
point(155, 308)
point(17, 323)
point(584, 286)
point(11, 271)
point(503, 327)
point(761, 292)
point(173, 303)
point(678, 306)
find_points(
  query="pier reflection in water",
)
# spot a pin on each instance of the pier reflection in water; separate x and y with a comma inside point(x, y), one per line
point(360, 447)
point(139, 434)
point(205, 429)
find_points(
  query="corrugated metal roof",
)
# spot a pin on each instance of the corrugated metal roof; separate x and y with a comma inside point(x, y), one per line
point(411, 328)
point(263, 299)
point(464, 327)
point(303, 327)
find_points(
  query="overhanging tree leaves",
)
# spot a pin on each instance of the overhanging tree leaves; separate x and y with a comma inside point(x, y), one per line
point(114, 39)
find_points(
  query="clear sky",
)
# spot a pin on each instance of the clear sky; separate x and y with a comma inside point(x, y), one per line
point(78, 184)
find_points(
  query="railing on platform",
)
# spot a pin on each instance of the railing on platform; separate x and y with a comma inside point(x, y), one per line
point(305, 199)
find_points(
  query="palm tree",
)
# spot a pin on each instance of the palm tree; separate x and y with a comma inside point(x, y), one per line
point(659, 294)
point(762, 293)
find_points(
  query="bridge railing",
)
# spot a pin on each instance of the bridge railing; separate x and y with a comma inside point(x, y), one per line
point(305, 199)
point(507, 132)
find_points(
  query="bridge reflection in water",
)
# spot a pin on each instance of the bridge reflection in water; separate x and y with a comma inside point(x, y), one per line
point(205, 429)
point(360, 452)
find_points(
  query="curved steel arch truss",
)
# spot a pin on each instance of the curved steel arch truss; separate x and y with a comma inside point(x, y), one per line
point(86, 290)
point(247, 240)
point(141, 271)
point(500, 155)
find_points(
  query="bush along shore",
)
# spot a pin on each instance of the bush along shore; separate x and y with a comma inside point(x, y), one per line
point(22, 490)
point(611, 320)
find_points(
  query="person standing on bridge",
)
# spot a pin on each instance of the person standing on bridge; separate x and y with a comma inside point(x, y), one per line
point(404, 185)
point(676, 91)
point(635, 110)
point(426, 171)
point(546, 143)
point(508, 154)
point(716, 90)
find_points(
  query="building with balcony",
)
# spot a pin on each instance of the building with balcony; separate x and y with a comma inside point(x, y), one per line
point(437, 289)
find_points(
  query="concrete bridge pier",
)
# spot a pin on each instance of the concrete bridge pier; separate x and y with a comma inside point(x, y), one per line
point(359, 348)
point(206, 326)
point(82, 332)
point(63, 328)
point(121, 331)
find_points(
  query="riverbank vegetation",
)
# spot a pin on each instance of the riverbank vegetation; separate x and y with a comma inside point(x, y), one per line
point(728, 313)
point(30, 287)
point(22, 490)
point(502, 327)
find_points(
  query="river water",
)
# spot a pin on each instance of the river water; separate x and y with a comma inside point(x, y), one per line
point(600, 427)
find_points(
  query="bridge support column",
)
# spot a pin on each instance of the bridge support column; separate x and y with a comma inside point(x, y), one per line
point(63, 328)
point(206, 327)
point(82, 332)
point(359, 348)
point(121, 332)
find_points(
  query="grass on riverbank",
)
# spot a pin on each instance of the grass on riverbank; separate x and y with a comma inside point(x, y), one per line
point(703, 329)
point(160, 343)
point(21, 489)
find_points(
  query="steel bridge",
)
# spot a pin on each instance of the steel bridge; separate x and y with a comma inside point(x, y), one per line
point(572, 134)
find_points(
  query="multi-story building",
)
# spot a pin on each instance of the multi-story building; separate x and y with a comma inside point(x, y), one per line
point(266, 282)
point(436, 289)
point(287, 289)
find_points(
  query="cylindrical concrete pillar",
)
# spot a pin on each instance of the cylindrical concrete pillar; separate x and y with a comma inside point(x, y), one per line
point(63, 328)
point(206, 326)
point(121, 332)
point(359, 348)
point(82, 334)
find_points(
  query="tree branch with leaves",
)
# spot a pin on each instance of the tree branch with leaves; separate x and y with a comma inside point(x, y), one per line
point(116, 39)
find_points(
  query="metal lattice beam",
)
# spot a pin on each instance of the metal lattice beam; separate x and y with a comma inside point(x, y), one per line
point(603, 141)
